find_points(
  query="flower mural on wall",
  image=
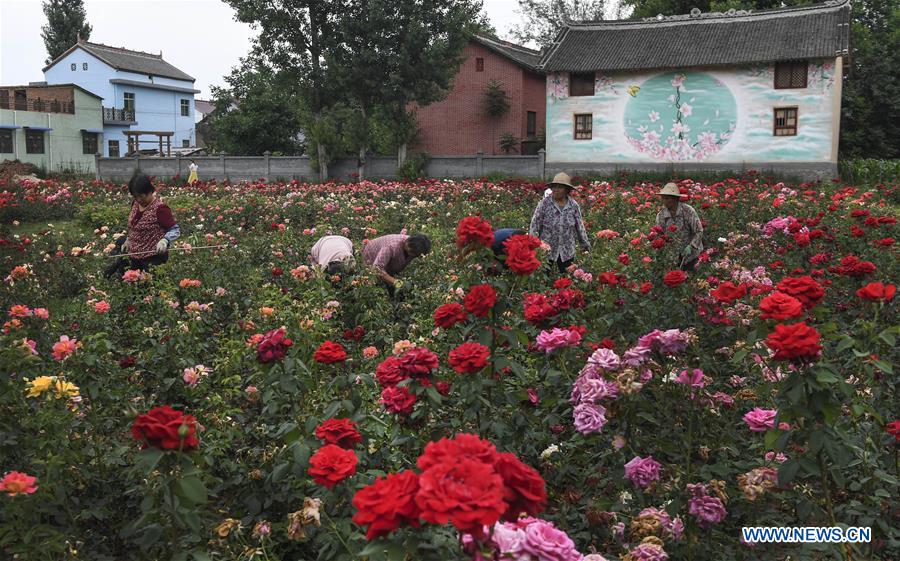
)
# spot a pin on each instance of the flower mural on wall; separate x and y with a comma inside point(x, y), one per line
point(680, 116)
point(557, 86)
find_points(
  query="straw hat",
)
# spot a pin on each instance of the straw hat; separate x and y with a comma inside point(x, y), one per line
point(670, 189)
point(563, 179)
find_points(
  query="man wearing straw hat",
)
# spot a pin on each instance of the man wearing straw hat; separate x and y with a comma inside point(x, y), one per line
point(680, 221)
point(557, 221)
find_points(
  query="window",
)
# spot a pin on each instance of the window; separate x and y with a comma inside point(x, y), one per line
point(84, 66)
point(785, 121)
point(185, 108)
point(185, 143)
point(73, 67)
point(531, 124)
point(6, 141)
point(88, 142)
point(790, 75)
point(113, 148)
point(4, 99)
point(584, 126)
point(34, 142)
point(479, 64)
point(128, 101)
point(581, 83)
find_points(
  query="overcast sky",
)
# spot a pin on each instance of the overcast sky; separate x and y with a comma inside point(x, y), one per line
point(199, 37)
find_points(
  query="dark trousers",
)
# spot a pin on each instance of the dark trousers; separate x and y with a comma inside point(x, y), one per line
point(690, 266)
point(118, 267)
point(561, 265)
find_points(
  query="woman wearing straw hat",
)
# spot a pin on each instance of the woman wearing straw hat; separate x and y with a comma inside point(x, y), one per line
point(680, 221)
point(557, 220)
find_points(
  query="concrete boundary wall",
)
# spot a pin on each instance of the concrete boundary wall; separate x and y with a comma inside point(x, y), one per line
point(272, 168)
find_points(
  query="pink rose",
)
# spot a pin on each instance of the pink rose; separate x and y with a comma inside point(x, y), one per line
point(549, 341)
point(642, 471)
point(760, 420)
point(544, 541)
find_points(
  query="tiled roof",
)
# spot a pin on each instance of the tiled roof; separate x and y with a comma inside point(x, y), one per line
point(203, 106)
point(523, 56)
point(132, 61)
point(733, 37)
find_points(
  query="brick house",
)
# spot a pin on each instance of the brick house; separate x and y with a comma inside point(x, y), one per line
point(458, 125)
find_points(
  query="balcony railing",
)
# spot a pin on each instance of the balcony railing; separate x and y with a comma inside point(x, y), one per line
point(38, 105)
point(112, 115)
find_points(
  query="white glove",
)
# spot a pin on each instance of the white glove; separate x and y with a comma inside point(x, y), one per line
point(162, 246)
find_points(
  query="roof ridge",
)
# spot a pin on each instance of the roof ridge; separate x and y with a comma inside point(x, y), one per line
point(122, 49)
point(730, 15)
point(509, 44)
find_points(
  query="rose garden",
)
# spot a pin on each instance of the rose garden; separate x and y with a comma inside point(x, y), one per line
point(234, 403)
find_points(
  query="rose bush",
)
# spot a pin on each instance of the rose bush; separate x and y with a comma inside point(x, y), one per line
point(235, 401)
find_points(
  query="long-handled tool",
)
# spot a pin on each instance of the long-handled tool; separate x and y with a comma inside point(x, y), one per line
point(144, 253)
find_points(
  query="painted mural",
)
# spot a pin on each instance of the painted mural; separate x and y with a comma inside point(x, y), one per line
point(699, 115)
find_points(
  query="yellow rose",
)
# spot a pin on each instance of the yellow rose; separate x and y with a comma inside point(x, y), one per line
point(39, 385)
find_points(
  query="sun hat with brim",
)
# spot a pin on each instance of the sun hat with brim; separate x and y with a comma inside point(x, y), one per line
point(563, 179)
point(670, 189)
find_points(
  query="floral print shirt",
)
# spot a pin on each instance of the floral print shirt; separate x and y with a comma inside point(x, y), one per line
point(559, 227)
point(688, 229)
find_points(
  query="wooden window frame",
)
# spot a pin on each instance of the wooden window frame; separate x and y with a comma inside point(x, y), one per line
point(530, 126)
point(479, 64)
point(125, 101)
point(110, 145)
point(185, 108)
point(788, 66)
point(7, 135)
point(29, 146)
point(589, 131)
point(572, 81)
point(86, 142)
point(775, 125)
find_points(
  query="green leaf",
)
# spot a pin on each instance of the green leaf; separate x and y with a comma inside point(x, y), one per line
point(280, 471)
point(148, 459)
point(846, 343)
point(816, 440)
point(884, 366)
point(824, 376)
point(888, 337)
point(787, 472)
point(433, 394)
point(810, 466)
point(200, 555)
point(192, 489)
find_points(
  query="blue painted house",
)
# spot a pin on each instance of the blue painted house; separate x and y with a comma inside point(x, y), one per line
point(148, 103)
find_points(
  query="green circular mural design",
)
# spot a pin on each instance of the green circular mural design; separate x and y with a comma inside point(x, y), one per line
point(680, 116)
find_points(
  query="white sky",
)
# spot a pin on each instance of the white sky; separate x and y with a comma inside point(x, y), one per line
point(199, 37)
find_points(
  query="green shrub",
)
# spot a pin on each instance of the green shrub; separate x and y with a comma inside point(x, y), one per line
point(414, 166)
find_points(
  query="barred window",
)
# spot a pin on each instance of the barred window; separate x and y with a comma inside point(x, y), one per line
point(584, 126)
point(113, 148)
point(785, 121)
point(479, 64)
point(34, 142)
point(89, 143)
point(790, 74)
point(6, 141)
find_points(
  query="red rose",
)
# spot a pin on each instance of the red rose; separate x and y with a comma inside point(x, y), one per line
point(520, 255)
point(646, 287)
point(567, 298)
point(480, 299)
point(418, 362)
point(341, 432)
point(658, 243)
point(523, 487)
point(463, 445)
point(389, 373)
point(277, 271)
point(387, 504)
point(127, 362)
point(607, 278)
point(727, 292)
point(674, 278)
point(398, 400)
point(794, 341)
point(853, 266)
point(273, 346)
point(884, 242)
point(877, 291)
point(805, 289)
point(562, 283)
point(448, 315)
point(893, 429)
point(474, 230)
point(329, 353)
point(166, 429)
point(331, 464)
point(464, 492)
point(779, 305)
point(469, 358)
point(537, 309)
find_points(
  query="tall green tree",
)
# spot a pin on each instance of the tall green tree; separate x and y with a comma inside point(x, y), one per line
point(66, 22)
point(542, 19)
point(393, 53)
point(259, 110)
point(870, 115)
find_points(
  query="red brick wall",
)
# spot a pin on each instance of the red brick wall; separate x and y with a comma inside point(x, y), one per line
point(458, 125)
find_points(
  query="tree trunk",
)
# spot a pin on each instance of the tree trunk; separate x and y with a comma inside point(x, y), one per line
point(361, 163)
point(401, 155)
point(323, 165)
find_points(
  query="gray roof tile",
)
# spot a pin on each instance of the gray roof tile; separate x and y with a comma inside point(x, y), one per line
point(132, 61)
point(523, 56)
point(814, 31)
